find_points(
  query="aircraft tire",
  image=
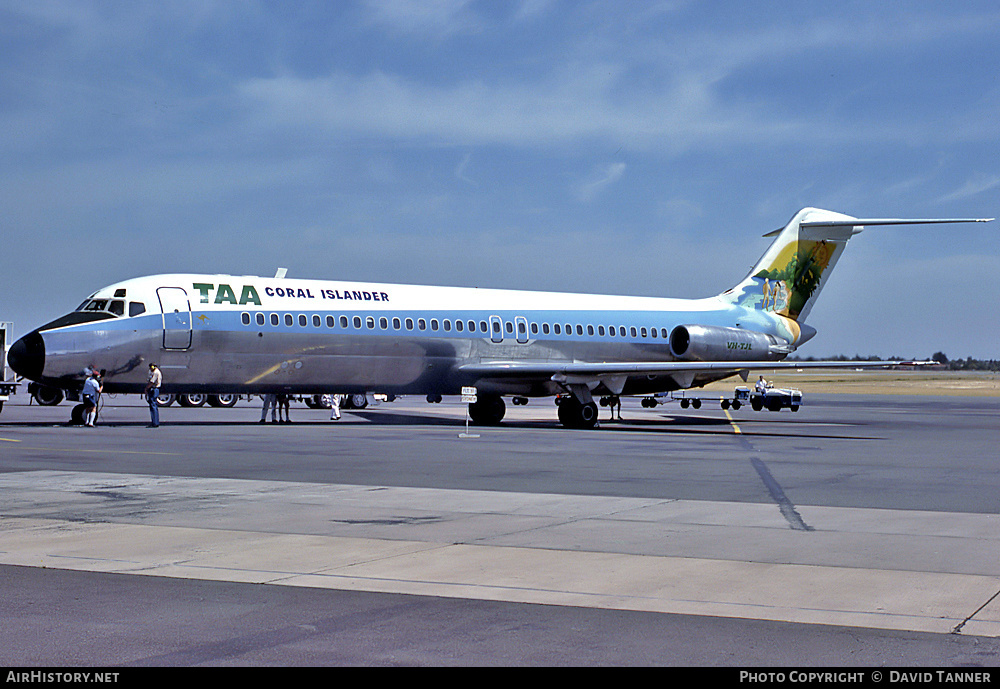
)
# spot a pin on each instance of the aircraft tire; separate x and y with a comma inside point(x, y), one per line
point(195, 399)
point(489, 410)
point(573, 414)
point(46, 396)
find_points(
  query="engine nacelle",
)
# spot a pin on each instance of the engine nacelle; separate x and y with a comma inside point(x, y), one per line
point(714, 343)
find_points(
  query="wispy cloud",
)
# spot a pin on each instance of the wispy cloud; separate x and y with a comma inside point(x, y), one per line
point(460, 170)
point(440, 17)
point(599, 181)
point(973, 187)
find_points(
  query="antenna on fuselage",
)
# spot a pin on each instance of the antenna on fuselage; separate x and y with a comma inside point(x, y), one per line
point(281, 273)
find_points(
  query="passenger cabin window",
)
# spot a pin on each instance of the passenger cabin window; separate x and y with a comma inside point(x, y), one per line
point(317, 321)
point(303, 321)
point(370, 322)
point(395, 324)
point(383, 323)
point(409, 324)
point(330, 321)
point(343, 321)
point(434, 324)
point(274, 319)
point(357, 322)
point(260, 318)
point(289, 321)
point(245, 317)
point(421, 324)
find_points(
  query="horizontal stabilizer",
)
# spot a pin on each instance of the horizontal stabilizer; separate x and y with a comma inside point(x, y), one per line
point(871, 222)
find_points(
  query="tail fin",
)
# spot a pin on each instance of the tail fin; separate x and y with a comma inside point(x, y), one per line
point(789, 276)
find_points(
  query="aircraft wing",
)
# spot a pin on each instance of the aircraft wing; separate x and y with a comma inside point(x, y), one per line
point(554, 370)
point(586, 376)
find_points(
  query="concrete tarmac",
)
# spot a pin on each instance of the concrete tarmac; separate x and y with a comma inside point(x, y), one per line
point(861, 530)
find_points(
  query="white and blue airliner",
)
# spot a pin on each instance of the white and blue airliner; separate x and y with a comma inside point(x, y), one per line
point(221, 334)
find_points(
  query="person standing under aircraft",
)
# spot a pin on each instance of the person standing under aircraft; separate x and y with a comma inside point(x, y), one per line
point(270, 402)
point(283, 404)
point(616, 401)
point(152, 391)
point(92, 389)
point(334, 407)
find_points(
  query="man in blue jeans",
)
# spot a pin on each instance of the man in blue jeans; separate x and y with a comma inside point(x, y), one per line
point(152, 392)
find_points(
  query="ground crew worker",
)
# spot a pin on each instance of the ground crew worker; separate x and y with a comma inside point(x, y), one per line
point(92, 389)
point(152, 391)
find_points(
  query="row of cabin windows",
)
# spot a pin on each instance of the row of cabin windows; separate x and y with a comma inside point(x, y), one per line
point(447, 325)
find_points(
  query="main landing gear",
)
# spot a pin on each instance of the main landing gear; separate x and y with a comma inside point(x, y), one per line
point(487, 410)
point(576, 414)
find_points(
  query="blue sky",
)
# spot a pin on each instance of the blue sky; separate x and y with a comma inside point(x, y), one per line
point(621, 148)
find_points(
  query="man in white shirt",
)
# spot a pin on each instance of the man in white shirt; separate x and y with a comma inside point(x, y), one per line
point(761, 385)
point(152, 391)
point(92, 389)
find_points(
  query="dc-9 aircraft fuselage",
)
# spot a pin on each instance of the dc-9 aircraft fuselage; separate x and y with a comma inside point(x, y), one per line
point(243, 334)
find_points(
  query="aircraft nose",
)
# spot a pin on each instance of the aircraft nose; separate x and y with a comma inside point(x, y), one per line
point(27, 356)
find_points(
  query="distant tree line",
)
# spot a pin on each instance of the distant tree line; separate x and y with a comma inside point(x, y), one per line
point(967, 364)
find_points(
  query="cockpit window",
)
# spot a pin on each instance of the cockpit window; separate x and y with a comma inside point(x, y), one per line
point(116, 307)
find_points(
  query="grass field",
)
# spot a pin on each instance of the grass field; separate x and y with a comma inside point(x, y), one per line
point(876, 382)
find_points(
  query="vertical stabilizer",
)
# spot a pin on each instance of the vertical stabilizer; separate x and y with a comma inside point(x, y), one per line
point(789, 276)
point(783, 286)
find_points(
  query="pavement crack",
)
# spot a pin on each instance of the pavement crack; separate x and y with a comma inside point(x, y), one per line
point(960, 625)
